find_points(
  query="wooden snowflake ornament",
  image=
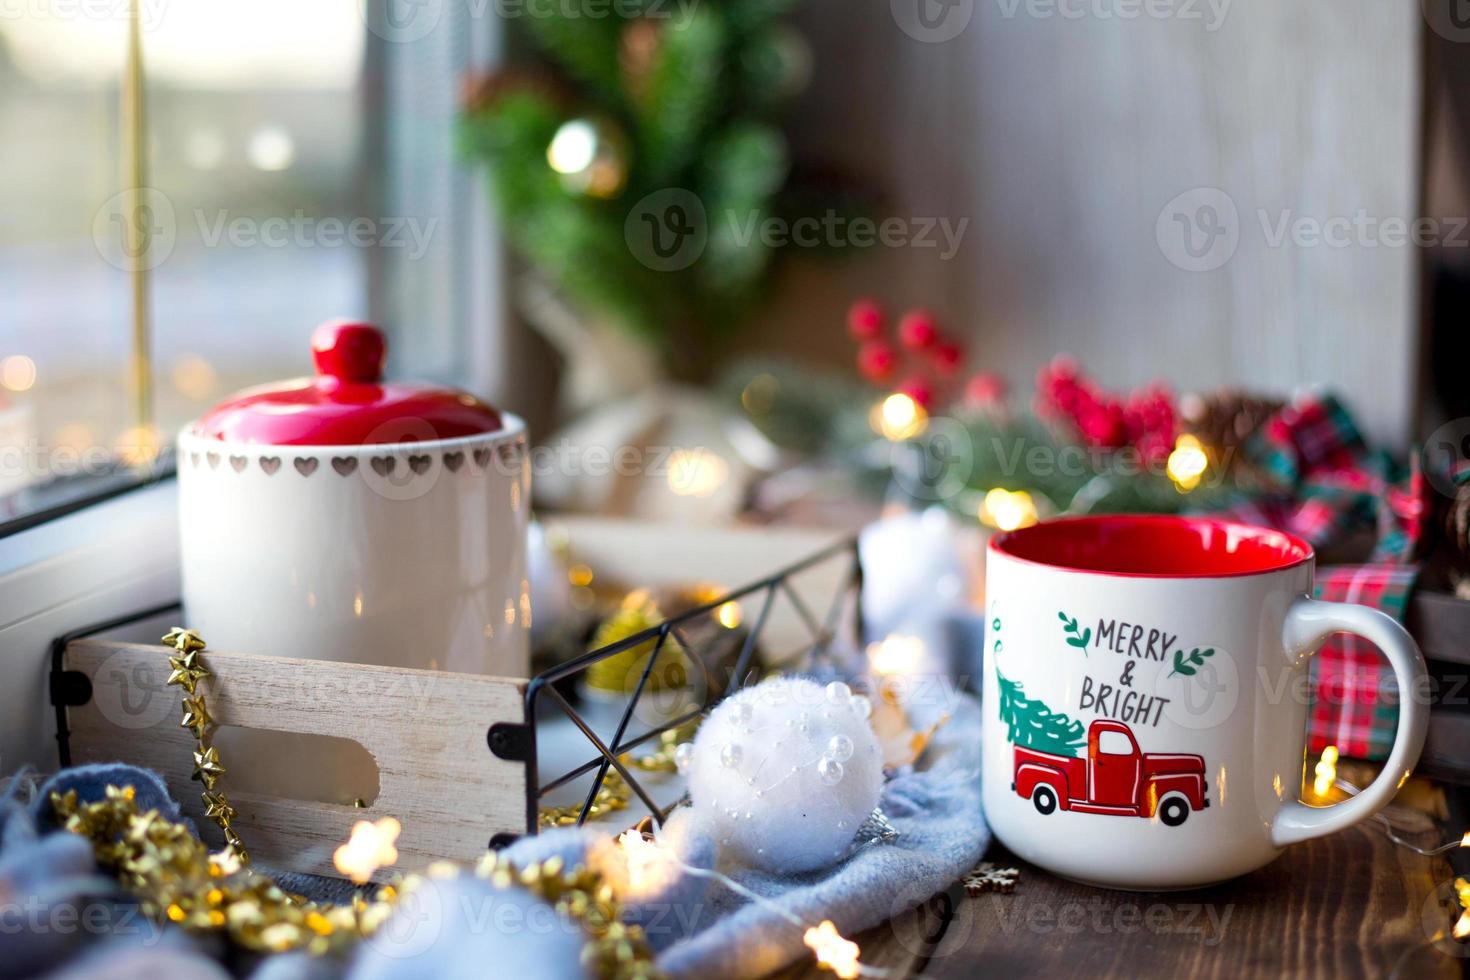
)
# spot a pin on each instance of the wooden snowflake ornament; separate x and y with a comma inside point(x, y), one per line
point(989, 878)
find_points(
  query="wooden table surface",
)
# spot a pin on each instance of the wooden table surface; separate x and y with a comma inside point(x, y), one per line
point(1348, 905)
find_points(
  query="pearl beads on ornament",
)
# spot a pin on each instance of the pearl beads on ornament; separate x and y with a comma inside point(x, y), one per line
point(839, 747)
point(787, 752)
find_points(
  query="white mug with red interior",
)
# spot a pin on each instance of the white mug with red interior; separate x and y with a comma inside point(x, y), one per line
point(1145, 698)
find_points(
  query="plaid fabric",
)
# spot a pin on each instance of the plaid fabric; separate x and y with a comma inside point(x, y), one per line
point(1330, 485)
point(1354, 697)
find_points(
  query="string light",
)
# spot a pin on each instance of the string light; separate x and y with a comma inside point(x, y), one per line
point(650, 867)
point(371, 846)
point(139, 446)
point(1462, 926)
point(833, 952)
point(1187, 463)
point(728, 614)
point(696, 472)
point(1326, 771)
point(18, 372)
point(896, 655)
point(898, 417)
point(1008, 509)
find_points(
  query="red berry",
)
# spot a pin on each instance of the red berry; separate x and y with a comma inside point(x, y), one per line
point(985, 389)
point(876, 360)
point(919, 390)
point(947, 358)
point(865, 320)
point(917, 330)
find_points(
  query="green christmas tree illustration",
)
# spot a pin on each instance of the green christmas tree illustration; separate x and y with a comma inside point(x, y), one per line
point(1032, 724)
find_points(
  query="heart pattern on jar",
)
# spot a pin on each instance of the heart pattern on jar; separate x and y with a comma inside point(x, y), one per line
point(420, 463)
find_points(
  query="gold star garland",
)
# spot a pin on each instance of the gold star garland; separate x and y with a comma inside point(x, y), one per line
point(177, 880)
point(187, 669)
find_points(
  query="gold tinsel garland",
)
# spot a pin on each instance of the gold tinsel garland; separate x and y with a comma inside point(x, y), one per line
point(614, 793)
point(177, 880)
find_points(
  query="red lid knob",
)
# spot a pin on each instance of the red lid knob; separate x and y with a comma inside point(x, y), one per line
point(348, 351)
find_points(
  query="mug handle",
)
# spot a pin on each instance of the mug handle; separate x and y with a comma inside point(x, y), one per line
point(1308, 623)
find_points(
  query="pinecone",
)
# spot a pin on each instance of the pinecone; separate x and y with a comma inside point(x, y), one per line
point(1226, 418)
point(1457, 529)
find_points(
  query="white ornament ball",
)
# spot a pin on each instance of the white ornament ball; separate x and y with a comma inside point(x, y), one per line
point(785, 772)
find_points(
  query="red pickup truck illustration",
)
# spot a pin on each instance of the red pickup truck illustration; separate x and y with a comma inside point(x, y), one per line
point(1114, 778)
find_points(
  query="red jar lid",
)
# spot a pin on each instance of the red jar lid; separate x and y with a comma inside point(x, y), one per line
point(347, 403)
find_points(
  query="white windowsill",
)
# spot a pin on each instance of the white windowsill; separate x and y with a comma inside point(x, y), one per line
point(108, 560)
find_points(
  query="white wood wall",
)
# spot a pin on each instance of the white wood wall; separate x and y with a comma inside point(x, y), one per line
point(1063, 138)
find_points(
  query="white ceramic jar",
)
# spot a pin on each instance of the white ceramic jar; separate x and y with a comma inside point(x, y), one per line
point(345, 518)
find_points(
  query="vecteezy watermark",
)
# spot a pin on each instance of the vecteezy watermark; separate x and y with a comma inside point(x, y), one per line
point(1210, 13)
point(1200, 229)
point(35, 916)
point(932, 21)
point(1450, 19)
point(1206, 922)
point(301, 230)
point(1446, 453)
point(150, 12)
point(135, 229)
point(670, 230)
point(675, 10)
point(401, 21)
point(138, 229)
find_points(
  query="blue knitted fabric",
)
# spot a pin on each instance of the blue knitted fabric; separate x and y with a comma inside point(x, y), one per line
point(699, 927)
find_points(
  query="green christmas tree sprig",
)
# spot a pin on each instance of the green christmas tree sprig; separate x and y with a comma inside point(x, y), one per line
point(1030, 723)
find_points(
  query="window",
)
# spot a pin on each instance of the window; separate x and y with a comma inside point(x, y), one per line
point(1114, 743)
point(300, 167)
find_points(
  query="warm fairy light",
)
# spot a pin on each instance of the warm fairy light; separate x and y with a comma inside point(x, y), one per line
point(225, 863)
point(728, 614)
point(896, 655)
point(193, 377)
point(573, 148)
point(580, 575)
point(1326, 771)
point(1465, 841)
point(18, 372)
point(271, 148)
point(1187, 463)
point(138, 446)
point(898, 417)
point(760, 394)
point(696, 472)
point(833, 952)
point(1008, 509)
point(1462, 891)
point(649, 868)
point(370, 847)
